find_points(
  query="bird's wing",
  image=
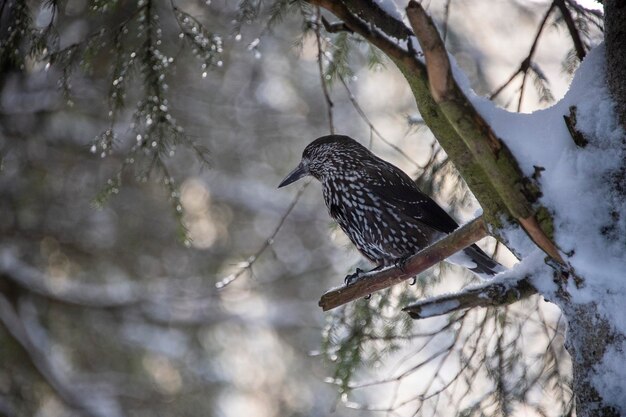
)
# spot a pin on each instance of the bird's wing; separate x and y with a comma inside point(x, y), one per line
point(397, 188)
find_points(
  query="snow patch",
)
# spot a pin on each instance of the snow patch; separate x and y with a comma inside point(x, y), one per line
point(610, 377)
point(437, 309)
point(578, 190)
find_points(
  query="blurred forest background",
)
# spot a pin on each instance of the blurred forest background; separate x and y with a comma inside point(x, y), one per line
point(150, 267)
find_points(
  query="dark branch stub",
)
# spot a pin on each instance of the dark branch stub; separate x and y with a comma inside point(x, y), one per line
point(577, 135)
point(335, 27)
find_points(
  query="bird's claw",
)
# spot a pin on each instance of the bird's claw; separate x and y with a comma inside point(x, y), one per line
point(349, 279)
point(413, 281)
point(401, 263)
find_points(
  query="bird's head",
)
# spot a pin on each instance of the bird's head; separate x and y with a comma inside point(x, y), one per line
point(327, 155)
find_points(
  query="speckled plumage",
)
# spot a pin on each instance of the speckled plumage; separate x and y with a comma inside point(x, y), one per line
point(377, 205)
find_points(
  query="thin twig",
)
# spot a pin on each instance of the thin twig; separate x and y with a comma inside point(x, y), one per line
point(446, 16)
point(320, 66)
point(373, 129)
point(525, 65)
point(247, 265)
point(571, 27)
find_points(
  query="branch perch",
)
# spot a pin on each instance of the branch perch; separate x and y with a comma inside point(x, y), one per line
point(487, 295)
point(424, 259)
point(491, 153)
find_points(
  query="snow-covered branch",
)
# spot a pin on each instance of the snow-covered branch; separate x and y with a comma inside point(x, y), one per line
point(383, 278)
point(493, 293)
point(488, 150)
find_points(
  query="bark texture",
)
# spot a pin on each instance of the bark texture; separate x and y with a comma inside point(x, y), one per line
point(615, 39)
point(589, 335)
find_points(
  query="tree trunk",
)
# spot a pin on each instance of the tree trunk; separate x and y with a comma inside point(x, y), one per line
point(588, 338)
point(615, 38)
point(590, 335)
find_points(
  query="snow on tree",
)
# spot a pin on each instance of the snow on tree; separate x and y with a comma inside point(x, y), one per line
point(109, 98)
point(571, 214)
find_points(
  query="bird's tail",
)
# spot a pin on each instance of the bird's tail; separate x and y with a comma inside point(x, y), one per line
point(484, 264)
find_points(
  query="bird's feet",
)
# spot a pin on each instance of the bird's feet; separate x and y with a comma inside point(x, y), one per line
point(400, 263)
point(349, 279)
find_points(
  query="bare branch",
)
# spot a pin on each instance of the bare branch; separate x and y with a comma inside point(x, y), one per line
point(79, 294)
point(491, 294)
point(371, 33)
point(247, 265)
point(525, 65)
point(424, 259)
point(80, 399)
point(571, 27)
point(490, 152)
point(320, 67)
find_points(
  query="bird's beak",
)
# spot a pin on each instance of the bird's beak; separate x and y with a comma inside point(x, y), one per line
point(301, 171)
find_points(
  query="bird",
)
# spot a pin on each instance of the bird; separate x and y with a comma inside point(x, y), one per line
point(378, 206)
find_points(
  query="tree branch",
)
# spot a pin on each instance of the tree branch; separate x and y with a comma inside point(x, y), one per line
point(370, 32)
point(416, 75)
point(490, 152)
point(75, 398)
point(371, 12)
point(571, 27)
point(490, 294)
point(424, 259)
point(78, 294)
point(525, 65)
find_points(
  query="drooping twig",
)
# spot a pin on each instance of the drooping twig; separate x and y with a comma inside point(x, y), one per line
point(424, 259)
point(373, 128)
point(247, 265)
point(320, 66)
point(487, 295)
point(571, 27)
